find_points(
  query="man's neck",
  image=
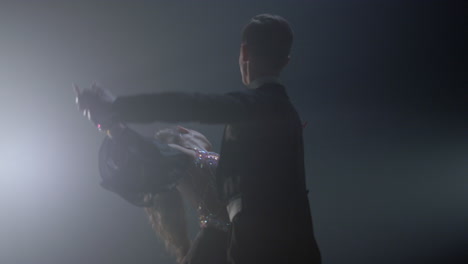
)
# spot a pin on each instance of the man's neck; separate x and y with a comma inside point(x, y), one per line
point(261, 80)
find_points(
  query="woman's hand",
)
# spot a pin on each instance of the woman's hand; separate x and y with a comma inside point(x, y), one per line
point(192, 139)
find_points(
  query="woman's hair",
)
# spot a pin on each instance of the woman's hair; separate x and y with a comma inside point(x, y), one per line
point(167, 218)
point(167, 215)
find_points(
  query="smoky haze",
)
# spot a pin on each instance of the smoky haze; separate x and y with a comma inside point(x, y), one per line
point(381, 85)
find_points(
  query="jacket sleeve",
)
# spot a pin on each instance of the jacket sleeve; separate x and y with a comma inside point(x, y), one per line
point(185, 107)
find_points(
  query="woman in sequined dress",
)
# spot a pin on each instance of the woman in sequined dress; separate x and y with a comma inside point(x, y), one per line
point(167, 215)
point(159, 174)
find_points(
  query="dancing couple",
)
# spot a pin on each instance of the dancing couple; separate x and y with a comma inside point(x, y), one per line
point(251, 197)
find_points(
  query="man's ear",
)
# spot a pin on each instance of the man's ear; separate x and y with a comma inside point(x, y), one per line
point(286, 61)
point(244, 52)
point(182, 130)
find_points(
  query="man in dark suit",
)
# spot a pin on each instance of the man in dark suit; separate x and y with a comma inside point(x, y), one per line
point(261, 171)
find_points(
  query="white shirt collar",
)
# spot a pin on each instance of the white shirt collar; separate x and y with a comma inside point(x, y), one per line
point(262, 80)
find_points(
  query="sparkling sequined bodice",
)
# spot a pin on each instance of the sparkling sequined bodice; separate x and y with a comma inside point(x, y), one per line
point(208, 162)
point(205, 159)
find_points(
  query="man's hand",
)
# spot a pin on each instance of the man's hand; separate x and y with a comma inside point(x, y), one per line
point(96, 104)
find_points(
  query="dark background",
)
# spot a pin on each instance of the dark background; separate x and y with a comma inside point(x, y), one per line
point(382, 85)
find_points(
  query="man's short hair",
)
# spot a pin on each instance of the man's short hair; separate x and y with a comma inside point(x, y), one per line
point(269, 39)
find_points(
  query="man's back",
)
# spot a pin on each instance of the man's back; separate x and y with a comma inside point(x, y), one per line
point(262, 170)
point(262, 155)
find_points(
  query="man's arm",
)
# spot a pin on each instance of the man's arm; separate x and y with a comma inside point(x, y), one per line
point(184, 107)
